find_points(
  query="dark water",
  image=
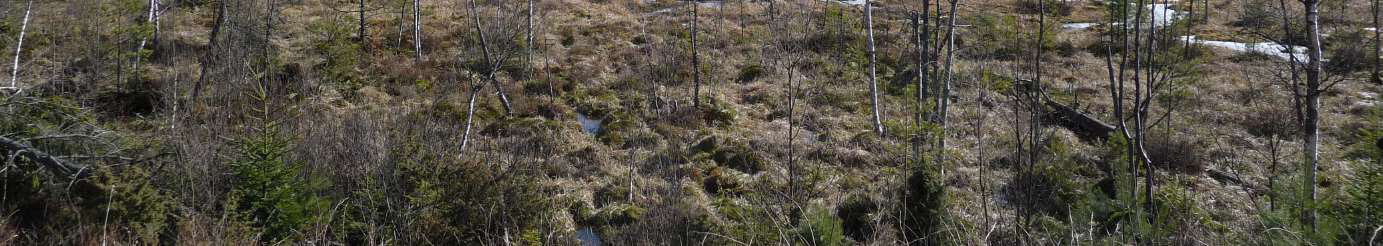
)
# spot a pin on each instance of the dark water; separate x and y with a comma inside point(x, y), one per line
point(588, 125)
point(588, 237)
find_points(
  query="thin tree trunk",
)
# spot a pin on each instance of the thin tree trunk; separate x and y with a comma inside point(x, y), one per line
point(920, 45)
point(528, 47)
point(696, 59)
point(213, 47)
point(364, 41)
point(19, 47)
point(403, 13)
point(945, 97)
point(470, 114)
point(1377, 77)
point(873, 84)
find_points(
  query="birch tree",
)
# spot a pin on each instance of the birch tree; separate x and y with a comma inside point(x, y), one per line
point(417, 34)
point(19, 46)
point(873, 84)
point(1311, 120)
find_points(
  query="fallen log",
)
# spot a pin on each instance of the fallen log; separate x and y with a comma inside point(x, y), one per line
point(1083, 125)
point(1230, 179)
point(1091, 129)
point(54, 164)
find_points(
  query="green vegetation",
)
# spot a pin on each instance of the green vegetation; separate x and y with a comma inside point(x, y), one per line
point(314, 122)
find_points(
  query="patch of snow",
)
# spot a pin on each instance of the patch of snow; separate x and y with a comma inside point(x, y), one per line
point(709, 4)
point(847, 2)
point(1267, 48)
point(1163, 14)
point(1369, 29)
point(1078, 26)
point(664, 11)
point(1368, 95)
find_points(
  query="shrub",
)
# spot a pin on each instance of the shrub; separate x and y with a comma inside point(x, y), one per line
point(1175, 155)
point(1258, 15)
point(821, 229)
point(1349, 53)
point(462, 197)
point(1053, 7)
point(1362, 208)
point(1047, 190)
point(269, 192)
point(856, 215)
point(924, 205)
point(749, 73)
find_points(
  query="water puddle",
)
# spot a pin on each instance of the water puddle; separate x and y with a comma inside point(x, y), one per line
point(588, 237)
point(588, 125)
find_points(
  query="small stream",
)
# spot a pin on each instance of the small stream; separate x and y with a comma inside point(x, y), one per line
point(588, 125)
point(588, 237)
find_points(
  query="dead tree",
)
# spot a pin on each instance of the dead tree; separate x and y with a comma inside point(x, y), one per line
point(493, 62)
point(476, 87)
point(54, 164)
point(873, 84)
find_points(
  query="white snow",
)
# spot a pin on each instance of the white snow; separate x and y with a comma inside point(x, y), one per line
point(709, 4)
point(1267, 48)
point(1163, 14)
point(1078, 26)
point(847, 2)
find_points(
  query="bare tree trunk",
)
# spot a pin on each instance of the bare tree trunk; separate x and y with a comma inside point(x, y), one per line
point(1377, 78)
point(403, 13)
point(873, 84)
point(945, 97)
point(19, 47)
point(1314, 89)
point(696, 58)
point(417, 34)
point(528, 47)
point(364, 40)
